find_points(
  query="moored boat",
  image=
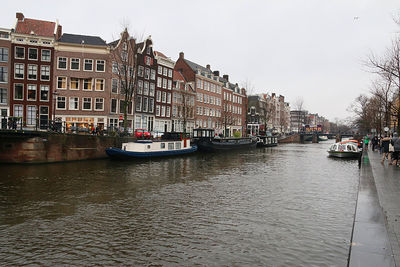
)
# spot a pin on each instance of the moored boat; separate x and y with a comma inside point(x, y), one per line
point(171, 144)
point(344, 150)
point(322, 138)
point(206, 141)
point(267, 140)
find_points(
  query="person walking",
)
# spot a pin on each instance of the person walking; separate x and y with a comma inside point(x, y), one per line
point(366, 142)
point(385, 148)
point(374, 142)
point(396, 153)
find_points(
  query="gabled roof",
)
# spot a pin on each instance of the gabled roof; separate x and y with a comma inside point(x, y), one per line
point(178, 76)
point(36, 27)
point(195, 67)
point(159, 54)
point(82, 39)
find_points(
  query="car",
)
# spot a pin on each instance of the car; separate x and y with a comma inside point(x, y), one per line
point(142, 134)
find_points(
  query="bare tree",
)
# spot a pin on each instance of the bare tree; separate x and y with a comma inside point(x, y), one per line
point(299, 106)
point(124, 57)
point(227, 119)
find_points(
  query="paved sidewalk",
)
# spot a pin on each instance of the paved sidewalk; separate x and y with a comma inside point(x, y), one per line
point(387, 181)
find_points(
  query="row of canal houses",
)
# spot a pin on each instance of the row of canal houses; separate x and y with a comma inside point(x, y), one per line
point(46, 74)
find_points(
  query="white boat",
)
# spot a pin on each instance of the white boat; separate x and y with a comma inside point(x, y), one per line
point(344, 150)
point(171, 144)
point(322, 138)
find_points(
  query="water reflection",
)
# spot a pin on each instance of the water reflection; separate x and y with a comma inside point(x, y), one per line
point(289, 205)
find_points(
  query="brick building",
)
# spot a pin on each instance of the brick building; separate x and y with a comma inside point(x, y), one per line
point(208, 93)
point(32, 62)
point(82, 81)
point(5, 66)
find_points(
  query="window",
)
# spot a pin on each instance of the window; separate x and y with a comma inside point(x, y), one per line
point(45, 73)
point(145, 104)
point(159, 82)
point(115, 67)
point(139, 103)
point(169, 98)
point(99, 85)
point(147, 73)
point(170, 73)
point(152, 74)
point(74, 64)
point(169, 84)
point(159, 70)
point(99, 104)
point(61, 82)
point(162, 111)
point(87, 84)
point(74, 83)
point(140, 71)
point(19, 71)
point(62, 63)
point(3, 96)
point(31, 115)
point(3, 74)
point(32, 53)
point(18, 111)
point(46, 55)
point(164, 84)
point(32, 72)
point(158, 96)
point(140, 87)
point(113, 105)
point(148, 50)
point(148, 60)
point(87, 103)
point(73, 103)
point(151, 105)
point(100, 65)
point(88, 65)
point(121, 106)
point(44, 92)
point(157, 110)
point(19, 52)
point(165, 72)
point(18, 91)
point(152, 89)
point(61, 102)
point(124, 56)
point(164, 97)
point(146, 88)
point(44, 116)
point(114, 86)
point(31, 92)
point(168, 112)
point(3, 54)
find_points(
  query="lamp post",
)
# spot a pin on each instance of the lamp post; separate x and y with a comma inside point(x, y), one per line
point(55, 94)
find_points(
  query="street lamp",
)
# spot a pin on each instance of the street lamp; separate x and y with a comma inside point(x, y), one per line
point(55, 94)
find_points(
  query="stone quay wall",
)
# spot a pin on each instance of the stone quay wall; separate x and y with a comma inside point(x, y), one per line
point(43, 147)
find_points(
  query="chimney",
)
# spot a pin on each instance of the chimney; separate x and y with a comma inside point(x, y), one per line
point(181, 55)
point(19, 16)
point(216, 73)
point(59, 32)
point(226, 77)
point(208, 66)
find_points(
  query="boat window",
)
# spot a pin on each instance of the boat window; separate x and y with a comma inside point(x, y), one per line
point(162, 145)
point(195, 134)
point(334, 147)
point(177, 145)
point(349, 147)
point(148, 146)
point(342, 147)
point(170, 146)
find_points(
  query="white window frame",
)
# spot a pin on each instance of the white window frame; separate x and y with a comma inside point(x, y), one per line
point(73, 102)
point(48, 92)
point(84, 64)
point(44, 68)
point(37, 53)
point(58, 63)
point(71, 79)
point(5, 53)
point(66, 82)
point(23, 93)
point(103, 83)
point(23, 71)
point(58, 102)
point(98, 63)
point(31, 120)
point(83, 103)
point(41, 55)
point(29, 88)
point(71, 61)
point(95, 103)
point(32, 65)
point(15, 52)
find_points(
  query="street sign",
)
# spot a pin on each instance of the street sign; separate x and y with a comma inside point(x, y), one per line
point(121, 117)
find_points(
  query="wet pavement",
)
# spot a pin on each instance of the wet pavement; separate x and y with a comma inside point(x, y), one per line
point(370, 244)
point(387, 180)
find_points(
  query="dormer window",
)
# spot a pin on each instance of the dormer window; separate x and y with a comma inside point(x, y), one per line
point(124, 46)
point(148, 50)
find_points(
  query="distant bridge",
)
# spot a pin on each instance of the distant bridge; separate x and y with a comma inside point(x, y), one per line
point(310, 137)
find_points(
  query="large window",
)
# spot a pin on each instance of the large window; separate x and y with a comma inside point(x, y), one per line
point(61, 82)
point(18, 111)
point(3, 96)
point(140, 71)
point(74, 83)
point(61, 103)
point(46, 55)
point(31, 115)
point(44, 117)
point(99, 85)
point(31, 92)
point(87, 84)
point(153, 74)
point(44, 92)
point(62, 63)
point(19, 71)
point(152, 89)
point(18, 91)
point(99, 104)
point(147, 73)
point(146, 88)
point(114, 86)
point(3, 74)
point(87, 103)
point(145, 104)
point(74, 64)
point(140, 87)
point(32, 53)
point(19, 52)
point(73, 103)
point(139, 103)
point(121, 106)
point(32, 72)
point(159, 82)
point(100, 65)
point(3, 54)
point(113, 105)
point(88, 66)
point(151, 105)
point(45, 73)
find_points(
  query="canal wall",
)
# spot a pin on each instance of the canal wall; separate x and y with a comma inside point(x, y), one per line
point(295, 138)
point(43, 147)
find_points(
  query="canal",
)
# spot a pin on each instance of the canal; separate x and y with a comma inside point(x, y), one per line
point(285, 206)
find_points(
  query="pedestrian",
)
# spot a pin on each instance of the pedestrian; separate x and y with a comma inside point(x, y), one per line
point(374, 142)
point(396, 145)
point(366, 142)
point(385, 148)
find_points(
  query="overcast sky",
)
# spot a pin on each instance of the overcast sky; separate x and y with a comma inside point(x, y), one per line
point(312, 49)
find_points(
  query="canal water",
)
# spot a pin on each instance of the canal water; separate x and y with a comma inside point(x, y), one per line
point(285, 206)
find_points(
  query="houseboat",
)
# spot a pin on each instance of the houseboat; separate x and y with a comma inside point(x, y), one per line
point(267, 140)
point(206, 140)
point(170, 144)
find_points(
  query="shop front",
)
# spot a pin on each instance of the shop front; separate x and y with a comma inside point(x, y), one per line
point(82, 124)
